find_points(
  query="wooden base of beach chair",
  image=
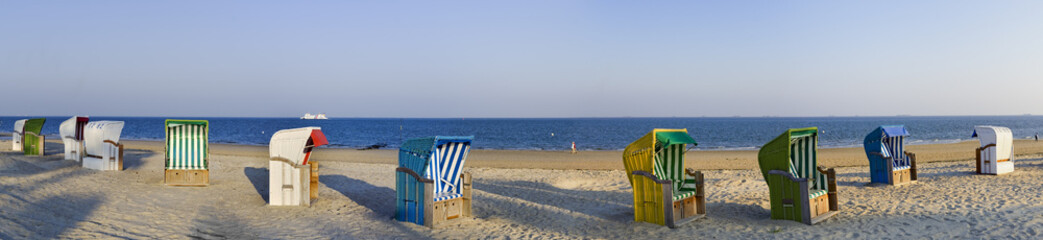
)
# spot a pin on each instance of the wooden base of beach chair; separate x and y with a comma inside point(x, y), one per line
point(901, 177)
point(314, 189)
point(441, 212)
point(200, 178)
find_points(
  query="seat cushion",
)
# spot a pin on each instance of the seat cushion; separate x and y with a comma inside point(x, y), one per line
point(816, 193)
point(684, 193)
point(901, 168)
point(447, 196)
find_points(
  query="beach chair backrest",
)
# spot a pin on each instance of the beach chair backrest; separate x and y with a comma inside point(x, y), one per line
point(446, 163)
point(659, 152)
point(96, 133)
point(73, 128)
point(295, 145)
point(1001, 136)
point(187, 145)
point(795, 151)
point(439, 158)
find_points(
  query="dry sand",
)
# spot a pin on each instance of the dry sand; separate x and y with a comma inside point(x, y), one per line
point(518, 195)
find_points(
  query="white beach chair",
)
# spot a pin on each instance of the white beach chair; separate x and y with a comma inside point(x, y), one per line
point(71, 132)
point(996, 154)
point(291, 181)
point(103, 148)
point(18, 135)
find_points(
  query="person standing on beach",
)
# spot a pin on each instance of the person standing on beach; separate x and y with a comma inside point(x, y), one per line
point(1037, 137)
point(573, 147)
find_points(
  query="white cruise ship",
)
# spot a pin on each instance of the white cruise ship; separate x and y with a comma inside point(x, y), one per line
point(312, 117)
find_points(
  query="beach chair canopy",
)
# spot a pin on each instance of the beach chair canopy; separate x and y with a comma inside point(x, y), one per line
point(34, 125)
point(19, 129)
point(439, 158)
point(73, 128)
point(888, 140)
point(1001, 136)
point(795, 151)
point(295, 145)
point(661, 153)
point(187, 144)
point(96, 133)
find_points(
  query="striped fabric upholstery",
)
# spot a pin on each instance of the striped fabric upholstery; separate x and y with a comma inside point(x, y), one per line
point(816, 193)
point(669, 165)
point(803, 162)
point(186, 146)
point(894, 148)
point(446, 163)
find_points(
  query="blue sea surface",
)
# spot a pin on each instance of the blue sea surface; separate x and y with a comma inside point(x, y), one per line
point(558, 133)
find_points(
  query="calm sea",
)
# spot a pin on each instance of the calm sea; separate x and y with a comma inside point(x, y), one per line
point(558, 133)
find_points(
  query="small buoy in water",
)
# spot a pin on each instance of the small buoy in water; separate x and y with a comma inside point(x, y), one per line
point(262, 132)
point(551, 134)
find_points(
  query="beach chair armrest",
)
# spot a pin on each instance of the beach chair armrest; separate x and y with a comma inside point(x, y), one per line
point(414, 174)
point(698, 176)
point(650, 176)
point(986, 147)
point(32, 133)
point(114, 144)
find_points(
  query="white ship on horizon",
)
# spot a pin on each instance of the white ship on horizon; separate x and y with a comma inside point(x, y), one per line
point(309, 116)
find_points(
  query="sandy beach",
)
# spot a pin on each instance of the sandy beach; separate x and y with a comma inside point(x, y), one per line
point(518, 195)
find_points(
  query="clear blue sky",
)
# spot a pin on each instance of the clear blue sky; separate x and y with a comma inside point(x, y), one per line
point(521, 59)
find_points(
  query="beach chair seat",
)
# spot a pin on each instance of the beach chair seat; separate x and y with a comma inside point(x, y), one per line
point(292, 174)
point(71, 132)
point(799, 190)
point(430, 186)
point(18, 135)
point(665, 193)
point(103, 150)
point(186, 153)
point(889, 163)
point(32, 139)
point(996, 154)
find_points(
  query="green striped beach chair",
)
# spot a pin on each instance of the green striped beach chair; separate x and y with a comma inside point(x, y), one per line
point(187, 153)
point(665, 193)
point(799, 189)
point(32, 139)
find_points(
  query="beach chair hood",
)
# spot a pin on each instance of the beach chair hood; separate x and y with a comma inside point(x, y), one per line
point(439, 158)
point(776, 155)
point(34, 125)
point(1001, 136)
point(73, 128)
point(295, 145)
point(19, 126)
point(667, 159)
point(96, 133)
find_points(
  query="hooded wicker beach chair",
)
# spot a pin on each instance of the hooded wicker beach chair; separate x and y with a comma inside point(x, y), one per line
point(187, 153)
point(889, 163)
point(18, 136)
point(103, 150)
point(292, 178)
point(32, 139)
point(665, 193)
point(71, 132)
point(429, 185)
point(799, 189)
point(996, 154)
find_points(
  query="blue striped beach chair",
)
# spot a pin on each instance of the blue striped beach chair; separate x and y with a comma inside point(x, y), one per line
point(665, 193)
point(430, 188)
point(187, 153)
point(799, 189)
point(889, 163)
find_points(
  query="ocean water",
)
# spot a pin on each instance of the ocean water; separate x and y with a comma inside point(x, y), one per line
point(558, 133)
